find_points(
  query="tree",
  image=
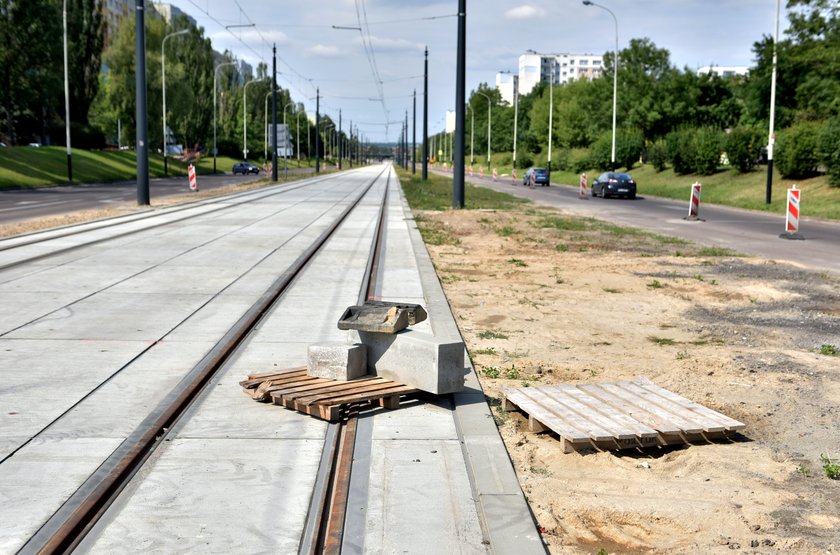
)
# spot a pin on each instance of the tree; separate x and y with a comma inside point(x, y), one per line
point(86, 38)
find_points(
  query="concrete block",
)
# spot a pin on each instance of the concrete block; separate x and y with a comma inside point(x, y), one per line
point(337, 361)
point(417, 359)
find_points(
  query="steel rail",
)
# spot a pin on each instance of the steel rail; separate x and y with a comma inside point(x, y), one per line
point(63, 531)
point(324, 528)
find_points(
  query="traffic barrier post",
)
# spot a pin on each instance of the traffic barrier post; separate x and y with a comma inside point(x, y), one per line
point(513, 176)
point(694, 203)
point(480, 171)
point(193, 180)
point(584, 187)
point(495, 174)
point(792, 215)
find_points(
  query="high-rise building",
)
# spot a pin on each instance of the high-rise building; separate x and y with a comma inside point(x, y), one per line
point(113, 11)
point(506, 83)
point(169, 12)
point(724, 71)
point(556, 68)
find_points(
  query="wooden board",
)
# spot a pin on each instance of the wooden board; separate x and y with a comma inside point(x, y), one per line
point(617, 415)
point(295, 389)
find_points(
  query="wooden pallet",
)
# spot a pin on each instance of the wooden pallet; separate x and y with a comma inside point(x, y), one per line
point(618, 415)
point(295, 389)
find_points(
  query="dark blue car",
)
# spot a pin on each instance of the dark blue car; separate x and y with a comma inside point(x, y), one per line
point(540, 176)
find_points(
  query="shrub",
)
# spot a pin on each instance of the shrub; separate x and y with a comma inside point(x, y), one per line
point(601, 151)
point(796, 150)
point(707, 146)
point(681, 150)
point(524, 160)
point(560, 159)
point(657, 155)
point(829, 149)
point(629, 145)
point(743, 146)
point(580, 160)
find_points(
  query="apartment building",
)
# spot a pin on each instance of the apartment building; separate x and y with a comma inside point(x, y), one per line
point(724, 71)
point(506, 83)
point(535, 67)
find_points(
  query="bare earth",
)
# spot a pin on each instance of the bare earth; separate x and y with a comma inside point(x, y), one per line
point(542, 298)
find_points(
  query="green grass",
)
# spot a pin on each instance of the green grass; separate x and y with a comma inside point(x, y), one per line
point(830, 467)
point(829, 350)
point(436, 194)
point(36, 167)
point(492, 334)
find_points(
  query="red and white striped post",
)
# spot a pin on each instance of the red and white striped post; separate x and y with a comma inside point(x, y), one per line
point(495, 174)
point(583, 186)
point(533, 179)
point(792, 215)
point(193, 181)
point(471, 171)
point(480, 171)
point(694, 203)
point(513, 176)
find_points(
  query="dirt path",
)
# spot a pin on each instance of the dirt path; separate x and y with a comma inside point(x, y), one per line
point(542, 298)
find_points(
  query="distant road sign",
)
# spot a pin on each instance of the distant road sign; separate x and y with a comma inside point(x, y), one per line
point(285, 148)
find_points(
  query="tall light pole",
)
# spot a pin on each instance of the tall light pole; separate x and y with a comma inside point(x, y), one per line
point(551, 114)
point(67, 101)
point(340, 140)
point(515, 120)
point(615, 72)
point(163, 89)
point(414, 136)
point(771, 139)
point(245, 116)
point(215, 79)
point(489, 119)
point(426, 116)
point(141, 107)
point(472, 134)
point(265, 125)
point(288, 137)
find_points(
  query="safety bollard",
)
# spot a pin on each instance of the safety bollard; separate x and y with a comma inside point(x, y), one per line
point(481, 171)
point(513, 176)
point(583, 187)
point(792, 215)
point(495, 174)
point(694, 203)
point(193, 180)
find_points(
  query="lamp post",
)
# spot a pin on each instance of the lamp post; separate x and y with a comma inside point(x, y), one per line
point(328, 139)
point(215, 79)
point(551, 114)
point(472, 132)
point(285, 149)
point(67, 100)
point(245, 116)
point(615, 72)
point(265, 126)
point(297, 141)
point(163, 88)
point(771, 139)
point(515, 121)
point(489, 119)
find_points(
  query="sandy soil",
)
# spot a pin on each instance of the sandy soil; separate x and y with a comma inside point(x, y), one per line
point(542, 298)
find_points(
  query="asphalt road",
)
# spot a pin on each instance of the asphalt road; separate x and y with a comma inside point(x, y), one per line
point(18, 205)
point(745, 231)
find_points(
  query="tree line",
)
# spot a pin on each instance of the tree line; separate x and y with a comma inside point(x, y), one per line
point(102, 83)
point(675, 117)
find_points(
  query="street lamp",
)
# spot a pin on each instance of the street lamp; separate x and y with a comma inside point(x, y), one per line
point(215, 79)
point(329, 140)
point(551, 113)
point(489, 119)
point(67, 100)
point(615, 71)
point(245, 116)
point(265, 125)
point(163, 82)
point(472, 133)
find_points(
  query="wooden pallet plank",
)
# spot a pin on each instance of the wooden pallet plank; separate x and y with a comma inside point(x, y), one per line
point(572, 398)
point(266, 388)
point(323, 385)
point(623, 426)
point(730, 424)
point(557, 415)
point(533, 409)
point(666, 422)
point(329, 411)
point(333, 388)
point(676, 409)
point(649, 424)
point(342, 395)
point(275, 374)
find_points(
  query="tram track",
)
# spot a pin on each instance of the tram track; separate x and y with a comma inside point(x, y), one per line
point(67, 527)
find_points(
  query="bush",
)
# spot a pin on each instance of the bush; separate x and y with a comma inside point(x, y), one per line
point(580, 160)
point(681, 150)
point(829, 149)
point(743, 147)
point(796, 150)
point(560, 159)
point(524, 160)
point(629, 145)
point(657, 155)
point(707, 147)
point(601, 152)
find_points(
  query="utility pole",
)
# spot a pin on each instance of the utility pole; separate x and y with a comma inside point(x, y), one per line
point(772, 137)
point(515, 120)
point(350, 146)
point(414, 137)
point(426, 117)
point(460, 86)
point(274, 113)
point(317, 130)
point(340, 140)
point(67, 102)
point(140, 101)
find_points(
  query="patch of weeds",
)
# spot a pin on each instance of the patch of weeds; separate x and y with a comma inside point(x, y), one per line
point(666, 326)
point(682, 355)
point(708, 341)
point(491, 372)
point(601, 344)
point(561, 247)
point(450, 278)
point(804, 470)
point(830, 467)
point(539, 470)
point(678, 253)
point(602, 551)
point(592, 372)
point(485, 221)
point(506, 231)
point(500, 417)
point(712, 282)
point(492, 334)
point(717, 251)
point(565, 224)
point(698, 277)
point(529, 302)
point(610, 290)
point(518, 262)
point(661, 340)
point(487, 351)
point(435, 233)
point(655, 284)
point(512, 373)
point(515, 354)
point(829, 350)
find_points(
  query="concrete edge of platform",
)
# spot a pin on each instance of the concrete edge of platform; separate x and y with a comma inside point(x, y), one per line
point(508, 523)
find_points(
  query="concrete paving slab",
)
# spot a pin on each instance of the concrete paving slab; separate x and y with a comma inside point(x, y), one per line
point(512, 529)
point(43, 470)
point(405, 514)
point(425, 421)
point(177, 279)
point(22, 308)
point(214, 319)
point(175, 508)
point(86, 279)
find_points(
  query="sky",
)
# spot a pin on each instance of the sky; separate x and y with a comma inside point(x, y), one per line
point(342, 63)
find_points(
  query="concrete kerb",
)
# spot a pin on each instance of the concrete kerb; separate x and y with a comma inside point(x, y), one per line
point(505, 515)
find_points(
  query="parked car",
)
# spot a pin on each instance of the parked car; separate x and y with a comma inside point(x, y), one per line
point(614, 184)
point(540, 176)
point(245, 168)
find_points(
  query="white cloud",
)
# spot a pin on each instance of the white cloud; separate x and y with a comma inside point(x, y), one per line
point(524, 12)
point(324, 51)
